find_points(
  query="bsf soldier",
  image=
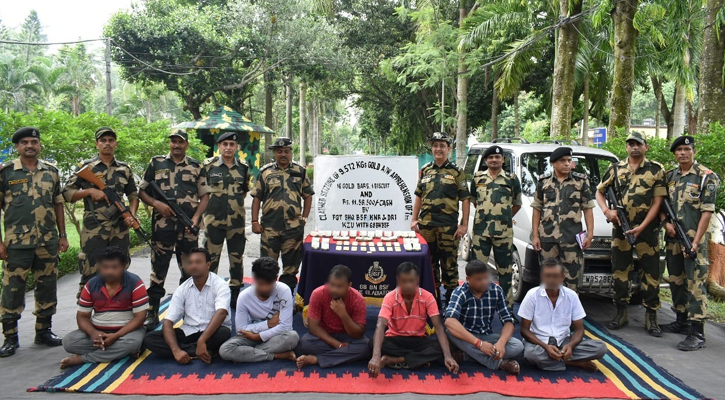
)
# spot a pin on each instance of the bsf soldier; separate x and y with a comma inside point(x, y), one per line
point(497, 194)
point(640, 185)
point(441, 186)
point(101, 230)
point(692, 190)
point(32, 205)
point(179, 177)
point(228, 179)
point(285, 195)
point(560, 199)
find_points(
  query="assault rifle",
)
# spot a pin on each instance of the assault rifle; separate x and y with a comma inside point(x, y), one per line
point(616, 204)
point(681, 235)
point(178, 212)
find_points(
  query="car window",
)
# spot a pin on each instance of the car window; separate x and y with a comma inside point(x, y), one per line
point(471, 161)
point(537, 164)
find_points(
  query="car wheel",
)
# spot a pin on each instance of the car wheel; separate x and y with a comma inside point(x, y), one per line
point(518, 286)
point(465, 247)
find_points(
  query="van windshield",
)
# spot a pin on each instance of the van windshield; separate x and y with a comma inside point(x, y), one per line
point(537, 164)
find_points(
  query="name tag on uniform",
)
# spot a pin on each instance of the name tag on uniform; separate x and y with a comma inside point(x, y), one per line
point(215, 175)
point(18, 181)
point(162, 171)
point(427, 179)
point(671, 183)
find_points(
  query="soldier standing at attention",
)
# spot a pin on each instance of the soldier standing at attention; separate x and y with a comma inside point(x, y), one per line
point(33, 209)
point(228, 180)
point(692, 191)
point(441, 186)
point(641, 187)
point(559, 201)
point(280, 190)
point(180, 178)
point(497, 194)
point(101, 230)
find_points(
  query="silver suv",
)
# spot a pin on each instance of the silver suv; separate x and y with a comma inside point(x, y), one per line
point(528, 161)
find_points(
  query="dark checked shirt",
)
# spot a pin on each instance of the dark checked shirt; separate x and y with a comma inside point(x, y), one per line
point(476, 315)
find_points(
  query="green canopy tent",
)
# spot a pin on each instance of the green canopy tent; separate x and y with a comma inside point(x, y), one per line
point(225, 119)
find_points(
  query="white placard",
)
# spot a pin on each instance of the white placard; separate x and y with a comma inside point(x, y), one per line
point(364, 192)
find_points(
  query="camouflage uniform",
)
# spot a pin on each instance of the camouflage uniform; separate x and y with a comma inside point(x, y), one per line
point(224, 217)
point(185, 183)
point(440, 190)
point(493, 224)
point(28, 199)
point(98, 230)
point(690, 195)
point(561, 205)
point(281, 192)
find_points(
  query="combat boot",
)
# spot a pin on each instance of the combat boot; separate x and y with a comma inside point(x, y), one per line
point(48, 338)
point(650, 322)
point(680, 325)
point(152, 315)
point(621, 319)
point(695, 340)
point(10, 346)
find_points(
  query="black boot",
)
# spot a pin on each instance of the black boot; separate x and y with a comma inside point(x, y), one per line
point(695, 340)
point(48, 338)
point(152, 315)
point(235, 296)
point(680, 325)
point(621, 319)
point(650, 323)
point(11, 344)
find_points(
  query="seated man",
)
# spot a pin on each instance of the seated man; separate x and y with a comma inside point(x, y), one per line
point(111, 311)
point(203, 302)
point(263, 319)
point(469, 316)
point(547, 313)
point(404, 313)
point(336, 316)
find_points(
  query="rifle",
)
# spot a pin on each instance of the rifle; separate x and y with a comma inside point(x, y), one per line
point(681, 235)
point(180, 214)
point(616, 204)
point(116, 206)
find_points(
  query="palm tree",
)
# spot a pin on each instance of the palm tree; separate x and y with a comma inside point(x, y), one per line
point(18, 82)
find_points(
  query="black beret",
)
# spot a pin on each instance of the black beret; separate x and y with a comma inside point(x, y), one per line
point(103, 131)
point(228, 136)
point(561, 152)
point(681, 141)
point(24, 132)
point(492, 150)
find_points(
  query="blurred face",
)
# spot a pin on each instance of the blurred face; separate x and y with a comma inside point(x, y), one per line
point(685, 154)
point(494, 162)
point(106, 145)
point(111, 270)
point(408, 282)
point(552, 278)
point(28, 147)
point(479, 282)
point(197, 265)
point(263, 288)
point(563, 165)
point(440, 150)
point(178, 146)
point(283, 156)
point(338, 287)
point(636, 149)
point(228, 148)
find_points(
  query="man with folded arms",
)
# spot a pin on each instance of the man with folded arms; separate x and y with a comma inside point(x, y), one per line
point(263, 319)
point(336, 317)
point(548, 313)
point(111, 312)
point(404, 313)
point(469, 316)
point(203, 302)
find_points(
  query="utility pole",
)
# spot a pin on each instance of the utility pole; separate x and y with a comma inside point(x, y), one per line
point(109, 108)
point(443, 103)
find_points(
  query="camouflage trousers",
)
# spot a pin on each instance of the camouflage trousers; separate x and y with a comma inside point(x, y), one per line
point(236, 242)
point(180, 245)
point(95, 237)
point(289, 243)
point(43, 262)
point(502, 250)
point(688, 280)
point(648, 263)
point(571, 257)
point(443, 249)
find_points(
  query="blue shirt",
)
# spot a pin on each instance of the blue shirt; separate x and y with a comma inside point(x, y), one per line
point(476, 314)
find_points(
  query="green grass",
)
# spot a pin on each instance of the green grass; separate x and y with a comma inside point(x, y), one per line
point(715, 307)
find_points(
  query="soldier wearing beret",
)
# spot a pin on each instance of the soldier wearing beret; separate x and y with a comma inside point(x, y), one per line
point(180, 178)
point(640, 185)
point(497, 194)
point(441, 186)
point(228, 179)
point(285, 195)
point(560, 199)
point(34, 225)
point(100, 229)
point(692, 190)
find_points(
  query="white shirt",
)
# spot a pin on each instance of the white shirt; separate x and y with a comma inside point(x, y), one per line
point(197, 307)
point(253, 313)
point(547, 320)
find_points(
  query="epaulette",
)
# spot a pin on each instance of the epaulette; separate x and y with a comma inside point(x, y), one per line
point(546, 175)
point(301, 167)
point(125, 164)
point(6, 164)
point(266, 167)
point(52, 164)
point(656, 163)
point(193, 161)
point(578, 175)
point(86, 162)
point(211, 160)
point(705, 170)
point(160, 157)
point(478, 173)
point(426, 165)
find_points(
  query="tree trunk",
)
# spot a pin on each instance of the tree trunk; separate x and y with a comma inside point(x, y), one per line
point(691, 119)
point(462, 99)
point(658, 113)
point(288, 112)
point(311, 127)
point(303, 124)
point(268, 117)
point(585, 119)
point(562, 96)
point(148, 111)
point(711, 102)
point(320, 126)
point(625, 36)
point(517, 122)
point(678, 111)
point(494, 110)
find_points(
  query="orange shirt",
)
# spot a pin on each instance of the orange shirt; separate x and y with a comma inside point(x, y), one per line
point(402, 323)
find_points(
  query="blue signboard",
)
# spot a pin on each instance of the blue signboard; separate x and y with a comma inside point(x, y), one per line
point(600, 136)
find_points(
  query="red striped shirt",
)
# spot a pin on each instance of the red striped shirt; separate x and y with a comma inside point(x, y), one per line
point(109, 314)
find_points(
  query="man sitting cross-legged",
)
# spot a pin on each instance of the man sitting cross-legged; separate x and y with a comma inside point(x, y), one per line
point(547, 313)
point(203, 302)
point(469, 316)
point(336, 317)
point(111, 311)
point(404, 313)
point(263, 319)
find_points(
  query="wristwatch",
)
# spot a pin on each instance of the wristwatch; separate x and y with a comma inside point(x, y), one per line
point(304, 219)
point(63, 235)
